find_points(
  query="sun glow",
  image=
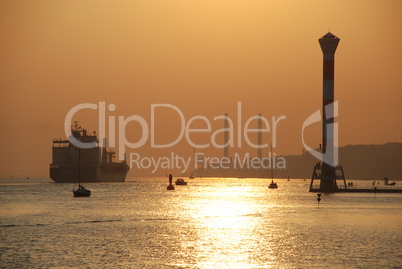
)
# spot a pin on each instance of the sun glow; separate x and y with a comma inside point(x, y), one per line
point(224, 214)
point(228, 224)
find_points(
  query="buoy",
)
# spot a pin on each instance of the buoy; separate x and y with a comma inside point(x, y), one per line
point(170, 187)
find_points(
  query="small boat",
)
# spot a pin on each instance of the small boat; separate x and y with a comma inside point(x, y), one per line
point(81, 192)
point(191, 176)
point(180, 181)
point(388, 184)
point(273, 185)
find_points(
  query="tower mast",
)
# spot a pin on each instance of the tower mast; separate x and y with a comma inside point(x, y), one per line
point(328, 171)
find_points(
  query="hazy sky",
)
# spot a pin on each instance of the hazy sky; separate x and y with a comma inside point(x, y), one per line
point(201, 56)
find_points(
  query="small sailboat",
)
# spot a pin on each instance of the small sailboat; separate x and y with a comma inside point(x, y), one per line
point(273, 184)
point(81, 191)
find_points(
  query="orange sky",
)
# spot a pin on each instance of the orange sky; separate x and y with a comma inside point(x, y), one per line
point(200, 56)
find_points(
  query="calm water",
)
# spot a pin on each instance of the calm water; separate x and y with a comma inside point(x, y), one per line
point(210, 223)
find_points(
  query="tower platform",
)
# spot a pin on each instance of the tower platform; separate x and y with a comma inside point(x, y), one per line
point(373, 190)
point(332, 180)
point(328, 178)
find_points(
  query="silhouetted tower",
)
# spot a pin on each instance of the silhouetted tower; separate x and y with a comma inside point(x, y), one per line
point(328, 44)
point(326, 171)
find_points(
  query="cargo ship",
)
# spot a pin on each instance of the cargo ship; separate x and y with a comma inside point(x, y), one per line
point(71, 163)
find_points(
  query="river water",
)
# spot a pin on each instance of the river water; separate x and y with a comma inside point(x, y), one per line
point(210, 223)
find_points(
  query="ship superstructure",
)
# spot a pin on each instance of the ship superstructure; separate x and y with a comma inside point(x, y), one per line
point(70, 163)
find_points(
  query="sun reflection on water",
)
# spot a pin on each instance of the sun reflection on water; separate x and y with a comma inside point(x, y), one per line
point(228, 222)
point(211, 223)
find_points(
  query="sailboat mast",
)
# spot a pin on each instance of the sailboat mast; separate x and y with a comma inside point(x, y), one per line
point(272, 169)
point(79, 166)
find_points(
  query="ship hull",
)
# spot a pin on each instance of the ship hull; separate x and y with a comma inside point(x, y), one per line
point(66, 174)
